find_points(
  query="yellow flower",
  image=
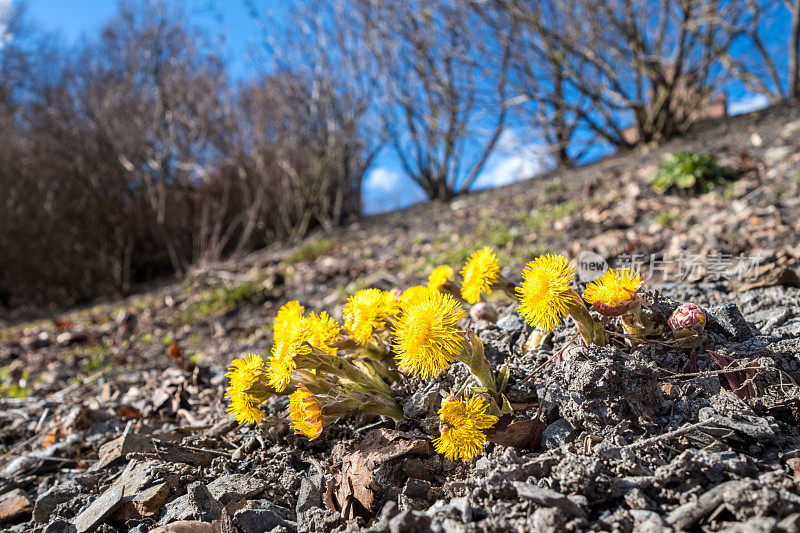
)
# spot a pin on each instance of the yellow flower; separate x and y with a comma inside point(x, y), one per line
point(323, 332)
point(305, 413)
point(545, 294)
point(243, 374)
point(426, 336)
point(391, 302)
point(439, 276)
point(462, 425)
point(288, 315)
point(365, 312)
point(613, 292)
point(479, 274)
point(282, 364)
point(414, 295)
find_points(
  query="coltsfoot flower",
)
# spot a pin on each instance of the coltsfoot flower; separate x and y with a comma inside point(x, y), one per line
point(480, 272)
point(688, 320)
point(439, 276)
point(614, 293)
point(323, 332)
point(366, 312)
point(426, 335)
point(305, 413)
point(243, 374)
point(414, 295)
point(545, 295)
point(288, 316)
point(462, 425)
point(282, 365)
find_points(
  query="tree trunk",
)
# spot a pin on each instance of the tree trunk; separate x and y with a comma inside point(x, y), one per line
point(794, 52)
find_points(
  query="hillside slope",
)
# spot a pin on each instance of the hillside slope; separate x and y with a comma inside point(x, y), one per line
point(153, 364)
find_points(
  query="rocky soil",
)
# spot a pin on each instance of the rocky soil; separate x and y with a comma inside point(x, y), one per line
point(112, 418)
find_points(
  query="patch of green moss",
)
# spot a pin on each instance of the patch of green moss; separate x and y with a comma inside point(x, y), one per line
point(664, 218)
point(216, 301)
point(310, 250)
point(11, 387)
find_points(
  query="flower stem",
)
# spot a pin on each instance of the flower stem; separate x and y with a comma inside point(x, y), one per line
point(590, 329)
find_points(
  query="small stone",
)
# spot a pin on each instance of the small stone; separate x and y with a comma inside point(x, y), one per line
point(60, 526)
point(151, 500)
point(424, 404)
point(557, 433)
point(114, 452)
point(464, 507)
point(410, 522)
point(200, 498)
point(729, 318)
point(544, 497)
point(260, 516)
point(308, 497)
point(46, 503)
point(185, 526)
point(776, 153)
point(233, 487)
point(512, 322)
point(416, 488)
point(100, 509)
point(14, 504)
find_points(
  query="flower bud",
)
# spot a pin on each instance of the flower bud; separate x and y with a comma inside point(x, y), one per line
point(688, 320)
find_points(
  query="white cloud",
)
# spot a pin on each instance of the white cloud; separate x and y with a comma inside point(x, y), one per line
point(382, 180)
point(6, 12)
point(514, 160)
point(748, 104)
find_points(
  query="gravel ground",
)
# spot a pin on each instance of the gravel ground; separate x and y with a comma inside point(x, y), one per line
point(112, 418)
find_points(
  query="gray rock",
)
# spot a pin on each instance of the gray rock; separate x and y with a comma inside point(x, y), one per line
point(774, 154)
point(260, 516)
point(557, 433)
point(410, 522)
point(46, 503)
point(512, 322)
point(233, 487)
point(93, 516)
point(416, 488)
point(730, 320)
point(464, 508)
point(308, 497)
point(544, 497)
point(60, 526)
point(178, 509)
point(389, 511)
point(207, 508)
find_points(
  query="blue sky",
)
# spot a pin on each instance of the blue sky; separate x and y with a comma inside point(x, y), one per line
point(385, 187)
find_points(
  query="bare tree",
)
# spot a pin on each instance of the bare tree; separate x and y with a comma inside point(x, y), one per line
point(758, 68)
point(309, 134)
point(154, 95)
point(442, 80)
point(656, 64)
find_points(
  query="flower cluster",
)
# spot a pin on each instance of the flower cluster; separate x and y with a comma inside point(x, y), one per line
point(331, 370)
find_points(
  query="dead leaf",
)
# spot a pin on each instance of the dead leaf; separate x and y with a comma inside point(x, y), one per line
point(522, 435)
point(357, 491)
point(174, 351)
point(128, 412)
point(53, 435)
point(63, 325)
point(741, 381)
